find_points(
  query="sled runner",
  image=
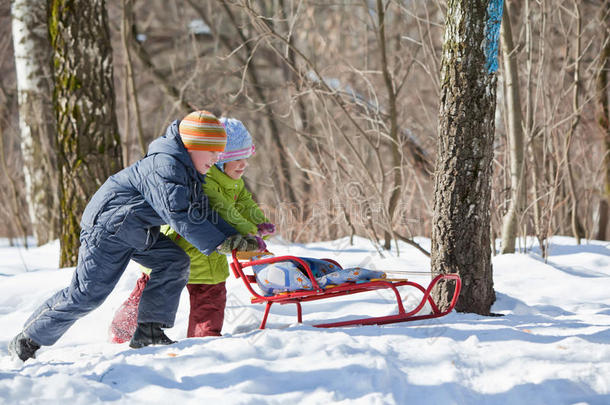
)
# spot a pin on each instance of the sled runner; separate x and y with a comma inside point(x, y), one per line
point(318, 293)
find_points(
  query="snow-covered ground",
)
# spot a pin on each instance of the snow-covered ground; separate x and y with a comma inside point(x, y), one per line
point(552, 346)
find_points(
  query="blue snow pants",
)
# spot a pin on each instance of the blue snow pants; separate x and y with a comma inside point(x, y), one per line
point(102, 259)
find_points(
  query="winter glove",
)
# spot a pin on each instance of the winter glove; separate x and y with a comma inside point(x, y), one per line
point(265, 228)
point(262, 246)
point(241, 244)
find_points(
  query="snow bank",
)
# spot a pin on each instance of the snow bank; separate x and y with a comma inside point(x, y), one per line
point(551, 346)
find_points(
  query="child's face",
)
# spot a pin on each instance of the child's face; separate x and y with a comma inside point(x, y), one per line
point(203, 159)
point(236, 168)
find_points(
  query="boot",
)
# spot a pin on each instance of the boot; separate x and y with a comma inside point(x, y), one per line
point(149, 333)
point(23, 347)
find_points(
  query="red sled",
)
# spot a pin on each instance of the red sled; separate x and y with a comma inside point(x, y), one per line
point(318, 293)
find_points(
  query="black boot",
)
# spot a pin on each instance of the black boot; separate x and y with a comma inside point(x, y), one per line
point(149, 333)
point(23, 347)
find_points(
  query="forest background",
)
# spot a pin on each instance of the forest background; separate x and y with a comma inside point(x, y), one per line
point(342, 99)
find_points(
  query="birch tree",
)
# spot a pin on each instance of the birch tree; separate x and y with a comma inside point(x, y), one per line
point(36, 118)
point(88, 136)
point(461, 219)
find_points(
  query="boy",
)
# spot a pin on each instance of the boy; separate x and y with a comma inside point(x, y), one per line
point(121, 222)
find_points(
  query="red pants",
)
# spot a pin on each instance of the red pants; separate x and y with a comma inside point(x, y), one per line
point(207, 309)
point(205, 319)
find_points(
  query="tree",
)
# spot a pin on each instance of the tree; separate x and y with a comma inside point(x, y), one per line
point(312, 74)
point(577, 229)
point(603, 113)
point(36, 117)
point(515, 138)
point(88, 136)
point(461, 220)
point(392, 101)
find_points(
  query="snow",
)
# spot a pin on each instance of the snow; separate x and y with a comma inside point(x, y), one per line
point(199, 27)
point(551, 346)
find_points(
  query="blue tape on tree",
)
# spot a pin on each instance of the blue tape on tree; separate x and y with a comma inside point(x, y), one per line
point(492, 34)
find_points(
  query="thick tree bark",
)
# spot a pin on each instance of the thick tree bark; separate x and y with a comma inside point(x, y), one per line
point(515, 138)
point(461, 220)
point(36, 116)
point(88, 136)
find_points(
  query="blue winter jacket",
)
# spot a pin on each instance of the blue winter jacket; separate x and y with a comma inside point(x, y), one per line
point(162, 188)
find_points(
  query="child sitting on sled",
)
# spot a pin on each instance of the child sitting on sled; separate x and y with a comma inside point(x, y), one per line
point(228, 196)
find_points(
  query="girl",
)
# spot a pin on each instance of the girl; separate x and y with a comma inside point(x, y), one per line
point(228, 196)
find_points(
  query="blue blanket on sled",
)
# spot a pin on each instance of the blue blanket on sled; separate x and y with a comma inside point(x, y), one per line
point(290, 276)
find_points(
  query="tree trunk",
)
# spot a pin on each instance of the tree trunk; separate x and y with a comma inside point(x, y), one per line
point(284, 178)
point(604, 120)
point(36, 117)
point(577, 229)
point(462, 189)
point(13, 197)
point(515, 138)
point(395, 145)
point(88, 136)
point(127, 27)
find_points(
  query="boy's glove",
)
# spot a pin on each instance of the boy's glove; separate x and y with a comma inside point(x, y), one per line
point(241, 244)
point(266, 228)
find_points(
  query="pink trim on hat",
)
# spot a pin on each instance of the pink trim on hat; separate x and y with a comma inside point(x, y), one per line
point(237, 154)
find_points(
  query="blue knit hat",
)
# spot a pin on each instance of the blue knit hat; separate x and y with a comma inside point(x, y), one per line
point(239, 142)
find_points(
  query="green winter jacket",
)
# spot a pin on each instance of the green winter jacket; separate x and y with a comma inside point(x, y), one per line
point(234, 203)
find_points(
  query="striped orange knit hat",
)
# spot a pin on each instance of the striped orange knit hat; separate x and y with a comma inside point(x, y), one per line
point(201, 130)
